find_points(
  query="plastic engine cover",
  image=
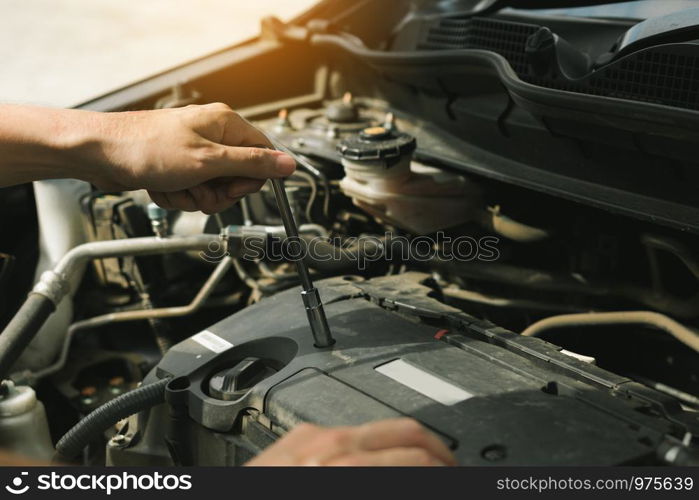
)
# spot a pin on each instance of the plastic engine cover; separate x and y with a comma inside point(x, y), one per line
point(493, 396)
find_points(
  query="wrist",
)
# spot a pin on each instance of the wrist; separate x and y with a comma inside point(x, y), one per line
point(79, 145)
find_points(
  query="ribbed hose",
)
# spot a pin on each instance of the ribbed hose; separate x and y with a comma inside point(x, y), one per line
point(107, 415)
point(21, 330)
point(325, 257)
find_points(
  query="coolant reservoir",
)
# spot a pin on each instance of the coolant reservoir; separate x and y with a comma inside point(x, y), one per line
point(24, 429)
point(382, 179)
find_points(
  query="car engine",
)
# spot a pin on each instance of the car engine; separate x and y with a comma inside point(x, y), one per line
point(498, 209)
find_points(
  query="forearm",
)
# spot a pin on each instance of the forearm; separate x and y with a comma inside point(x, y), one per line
point(193, 158)
point(44, 143)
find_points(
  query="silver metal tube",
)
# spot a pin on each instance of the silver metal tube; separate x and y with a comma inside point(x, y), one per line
point(648, 318)
point(144, 314)
point(54, 284)
point(245, 208)
point(280, 231)
point(166, 312)
point(132, 247)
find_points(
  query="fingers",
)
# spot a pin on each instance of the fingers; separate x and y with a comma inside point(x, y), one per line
point(289, 450)
point(177, 149)
point(255, 163)
point(239, 187)
point(394, 457)
point(403, 432)
point(182, 200)
point(239, 132)
point(210, 198)
point(160, 199)
point(398, 442)
point(202, 198)
point(246, 152)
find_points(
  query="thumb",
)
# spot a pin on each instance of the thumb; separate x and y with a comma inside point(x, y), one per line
point(254, 163)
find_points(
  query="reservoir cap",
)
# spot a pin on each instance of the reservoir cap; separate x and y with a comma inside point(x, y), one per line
point(377, 144)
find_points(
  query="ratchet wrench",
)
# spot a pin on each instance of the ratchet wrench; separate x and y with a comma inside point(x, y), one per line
point(309, 293)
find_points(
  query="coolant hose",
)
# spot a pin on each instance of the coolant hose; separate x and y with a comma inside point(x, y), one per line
point(21, 330)
point(107, 415)
point(324, 256)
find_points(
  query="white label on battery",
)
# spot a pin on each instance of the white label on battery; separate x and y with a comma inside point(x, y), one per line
point(424, 382)
point(212, 341)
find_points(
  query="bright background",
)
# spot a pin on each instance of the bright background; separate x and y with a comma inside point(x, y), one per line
point(64, 52)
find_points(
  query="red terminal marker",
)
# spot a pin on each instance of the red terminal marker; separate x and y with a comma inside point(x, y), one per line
point(440, 334)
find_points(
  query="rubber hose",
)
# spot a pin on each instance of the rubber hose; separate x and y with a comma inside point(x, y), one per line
point(21, 330)
point(107, 415)
point(325, 257)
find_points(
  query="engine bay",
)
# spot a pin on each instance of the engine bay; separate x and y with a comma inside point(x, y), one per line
point(504, 256)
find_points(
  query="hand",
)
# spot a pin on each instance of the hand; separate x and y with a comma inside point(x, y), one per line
point(193, 158)
point(398, 442)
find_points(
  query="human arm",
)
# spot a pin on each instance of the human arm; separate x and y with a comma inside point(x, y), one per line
point(194, 158)
point(396, 442)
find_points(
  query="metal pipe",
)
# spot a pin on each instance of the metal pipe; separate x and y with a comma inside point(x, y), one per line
point(132, 247)
point(323, 179)
point(657, 320)
point(304, 162)
point(170, 312)
point(515, 303)
point(144, 314)
point(312, 197)
point(245, 209)
point(54, 285)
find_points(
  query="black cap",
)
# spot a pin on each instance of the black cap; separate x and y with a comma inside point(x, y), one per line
point(377, 143)
point(344, 110)
point(234, 382)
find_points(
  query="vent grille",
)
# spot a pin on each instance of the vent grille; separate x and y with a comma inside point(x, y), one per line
point(654, 76)
point(505, 38)
point(659, 75)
